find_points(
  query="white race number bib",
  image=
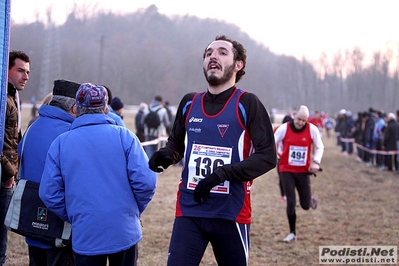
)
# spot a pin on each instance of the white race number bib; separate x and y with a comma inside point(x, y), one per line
point(298, 155)
point(204, 159)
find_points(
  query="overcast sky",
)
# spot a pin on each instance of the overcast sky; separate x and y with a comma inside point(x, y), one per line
point(291, 27)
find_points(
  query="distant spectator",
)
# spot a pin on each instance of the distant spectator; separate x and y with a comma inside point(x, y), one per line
point(272, 114)
point(348, 132)
point(117, 106)
point(33, 111)
point(329, 124)
point(339, 127)
point(317, 120)
point(152, 133)
point(378, 136)
point(290, 116)
point(397, 142)
point(360, 122)
point(170, 116)
point(368, 138)
point(139, 123)
point(389, 141)
point(46, 100)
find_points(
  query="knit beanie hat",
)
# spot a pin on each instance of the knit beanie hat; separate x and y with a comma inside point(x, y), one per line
point(65, 88)
point(91, 96)
point(116, 103)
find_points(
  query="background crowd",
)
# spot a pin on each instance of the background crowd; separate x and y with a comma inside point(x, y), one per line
point(372, 136)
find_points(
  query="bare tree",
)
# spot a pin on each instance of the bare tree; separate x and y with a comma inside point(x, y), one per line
point(339, 72)
point(354, 80)
point(85, 10)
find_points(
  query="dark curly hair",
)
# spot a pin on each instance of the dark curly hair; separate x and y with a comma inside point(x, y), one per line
point(17, 54)
point(239, 54)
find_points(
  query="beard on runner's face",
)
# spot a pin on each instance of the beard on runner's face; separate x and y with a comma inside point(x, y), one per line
point(214, 80)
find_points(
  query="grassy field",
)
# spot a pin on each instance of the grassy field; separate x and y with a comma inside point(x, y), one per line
point(357, 205)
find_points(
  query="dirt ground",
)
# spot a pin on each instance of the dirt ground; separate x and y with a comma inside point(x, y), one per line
point(357, 205)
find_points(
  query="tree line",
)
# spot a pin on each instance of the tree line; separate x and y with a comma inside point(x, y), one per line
point(145, 53)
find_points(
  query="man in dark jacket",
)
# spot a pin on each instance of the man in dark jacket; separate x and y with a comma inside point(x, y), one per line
point(18, 75)
point(389, 142)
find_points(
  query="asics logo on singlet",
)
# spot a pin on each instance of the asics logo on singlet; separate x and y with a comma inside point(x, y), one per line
point(195, 120)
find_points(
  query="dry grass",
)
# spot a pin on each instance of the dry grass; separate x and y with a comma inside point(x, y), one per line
point(357, 205)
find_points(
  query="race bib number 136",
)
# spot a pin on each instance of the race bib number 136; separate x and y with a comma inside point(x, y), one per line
point(204, 159)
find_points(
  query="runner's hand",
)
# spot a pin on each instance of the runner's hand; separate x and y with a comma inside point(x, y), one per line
point(314, 168)
point(160, 158)
point(203, 188)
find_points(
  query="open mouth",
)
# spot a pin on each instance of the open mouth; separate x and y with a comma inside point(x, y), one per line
point(213, 66)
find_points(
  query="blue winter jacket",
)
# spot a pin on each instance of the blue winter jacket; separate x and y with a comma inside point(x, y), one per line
point(52, 122)
point(97, 178)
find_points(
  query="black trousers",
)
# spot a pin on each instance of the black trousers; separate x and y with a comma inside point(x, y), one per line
point(124, 258)
point(51, 256)
point(300, 182)
point(390, 162)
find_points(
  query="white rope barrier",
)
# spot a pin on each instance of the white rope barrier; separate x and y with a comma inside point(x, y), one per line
point(372, 151)
point(154, 141)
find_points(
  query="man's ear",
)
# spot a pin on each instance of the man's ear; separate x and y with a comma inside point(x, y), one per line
point(106, 110)
point(73, 110)
point(239, 65)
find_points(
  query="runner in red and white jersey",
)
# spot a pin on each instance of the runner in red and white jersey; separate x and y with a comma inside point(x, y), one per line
point(301, 156)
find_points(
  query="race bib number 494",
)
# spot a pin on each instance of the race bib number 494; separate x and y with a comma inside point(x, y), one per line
point(298, 155)
point(204, 160)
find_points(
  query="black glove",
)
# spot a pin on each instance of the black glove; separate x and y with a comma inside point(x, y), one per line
point(160, 158)
point(203, 188)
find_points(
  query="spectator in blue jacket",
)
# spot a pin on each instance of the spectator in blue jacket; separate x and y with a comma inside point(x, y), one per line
point(54, 119)
point(378, 136)
point(96, 177)
point(368, 138)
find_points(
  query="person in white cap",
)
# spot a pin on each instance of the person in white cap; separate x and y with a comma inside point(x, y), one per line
point(297, 163)
point(339, 126)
